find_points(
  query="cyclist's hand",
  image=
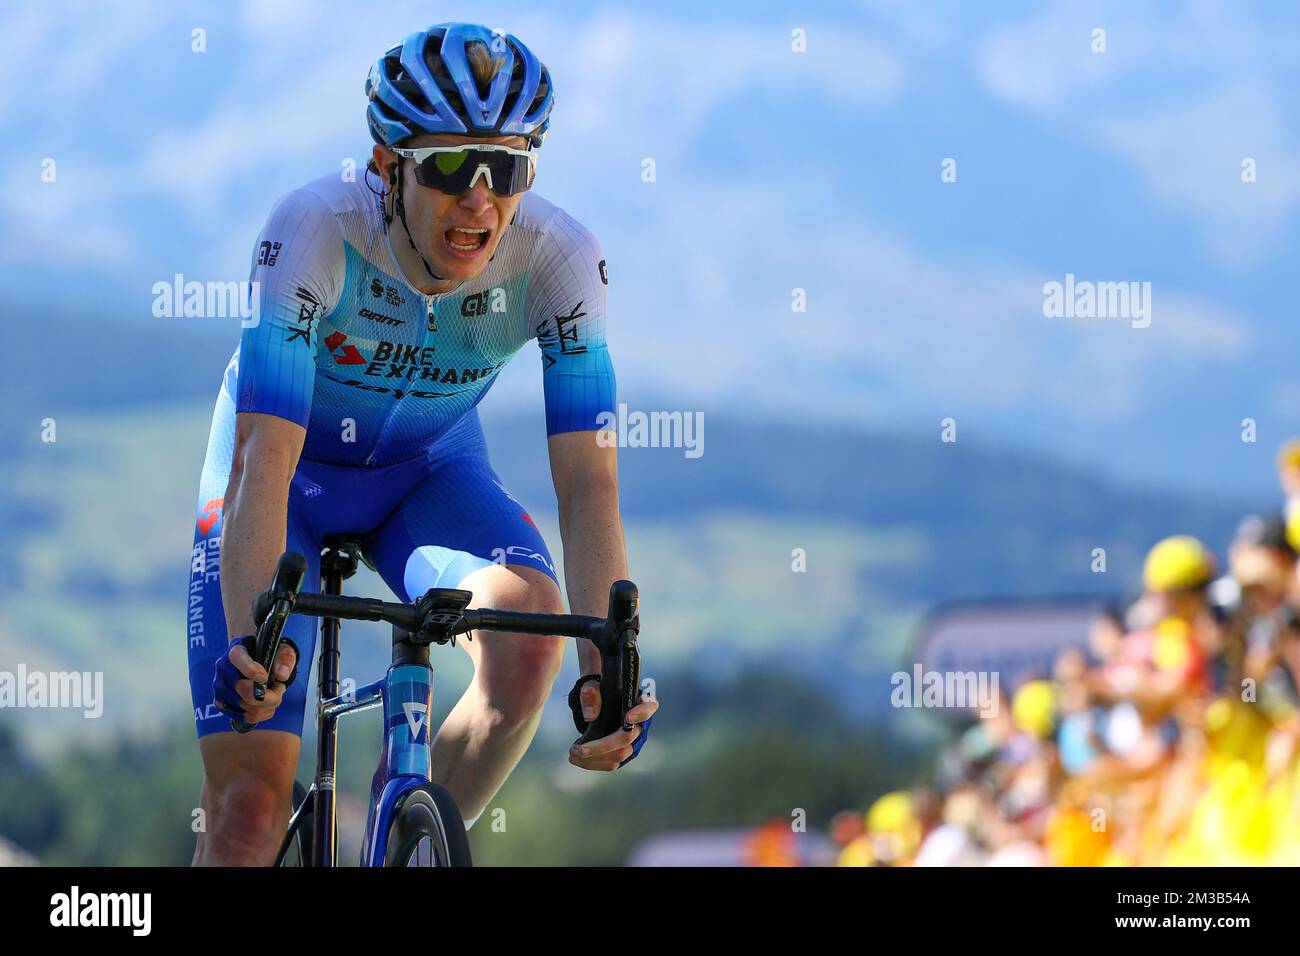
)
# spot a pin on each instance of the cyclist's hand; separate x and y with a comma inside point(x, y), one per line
point(237, 672)
point(609, 753)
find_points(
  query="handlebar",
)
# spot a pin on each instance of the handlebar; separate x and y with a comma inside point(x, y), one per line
point(440, 614)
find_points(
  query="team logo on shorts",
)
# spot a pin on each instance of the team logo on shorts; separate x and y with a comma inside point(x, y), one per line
point(210, 514)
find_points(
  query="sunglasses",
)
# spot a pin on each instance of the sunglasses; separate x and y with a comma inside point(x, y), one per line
point(455, 169)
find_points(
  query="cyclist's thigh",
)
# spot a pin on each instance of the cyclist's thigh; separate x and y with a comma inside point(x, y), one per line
point(459, 520)
point(206, 627)
point(503, 659)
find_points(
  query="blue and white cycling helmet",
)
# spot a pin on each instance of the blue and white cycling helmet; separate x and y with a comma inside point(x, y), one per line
point(425, 85)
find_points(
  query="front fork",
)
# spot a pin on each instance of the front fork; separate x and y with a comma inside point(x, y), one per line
point(406, 760)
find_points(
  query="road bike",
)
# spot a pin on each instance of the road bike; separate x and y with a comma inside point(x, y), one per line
point(413, 821)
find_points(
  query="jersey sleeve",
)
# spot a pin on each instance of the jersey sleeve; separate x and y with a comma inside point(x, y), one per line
point(566, 313)
point(297, 274)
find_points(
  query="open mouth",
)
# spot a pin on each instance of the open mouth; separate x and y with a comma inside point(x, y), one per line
point(466, 242)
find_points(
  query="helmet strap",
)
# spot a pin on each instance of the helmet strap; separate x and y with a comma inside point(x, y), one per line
point(401, 214)
point(382, 195)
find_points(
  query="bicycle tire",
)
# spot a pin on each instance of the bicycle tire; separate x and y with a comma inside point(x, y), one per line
point(428, 831)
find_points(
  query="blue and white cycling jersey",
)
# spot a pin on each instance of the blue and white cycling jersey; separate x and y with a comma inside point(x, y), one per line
point(385, 380)
point(341, 338)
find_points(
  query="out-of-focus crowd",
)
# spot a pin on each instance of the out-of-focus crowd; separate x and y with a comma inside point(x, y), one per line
point(1172, 738)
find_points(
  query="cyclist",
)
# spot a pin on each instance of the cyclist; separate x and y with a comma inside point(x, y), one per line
point(388, 304)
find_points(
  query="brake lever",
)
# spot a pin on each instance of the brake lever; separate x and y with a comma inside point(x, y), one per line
point(271, 609)
point(620, 662)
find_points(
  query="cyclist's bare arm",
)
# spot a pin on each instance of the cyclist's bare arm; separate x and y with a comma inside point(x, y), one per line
point(299, 270)
point(254, 531)
point(566, 308)
point(585, 476)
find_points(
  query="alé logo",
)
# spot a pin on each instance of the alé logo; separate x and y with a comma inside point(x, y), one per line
point(417, 716)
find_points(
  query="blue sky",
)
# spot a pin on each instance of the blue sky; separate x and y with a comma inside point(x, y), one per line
point(775, 170)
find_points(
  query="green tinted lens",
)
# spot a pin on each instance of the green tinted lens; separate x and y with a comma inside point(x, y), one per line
point(448, 163)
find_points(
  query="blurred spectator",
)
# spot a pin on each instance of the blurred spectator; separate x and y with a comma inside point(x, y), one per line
point(1288, 476)
point(772, 844)
point(894, 829)
point(1173, 738)
point(953, 842)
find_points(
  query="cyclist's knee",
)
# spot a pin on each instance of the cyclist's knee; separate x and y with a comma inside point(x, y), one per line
point(516, 671)
point(516, 697)
point(246, 797)
point(246, 816)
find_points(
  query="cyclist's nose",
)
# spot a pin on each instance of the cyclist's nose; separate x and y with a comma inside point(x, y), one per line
point(478, 197)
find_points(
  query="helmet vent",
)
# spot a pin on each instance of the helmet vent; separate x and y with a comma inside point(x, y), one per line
point(404, 104)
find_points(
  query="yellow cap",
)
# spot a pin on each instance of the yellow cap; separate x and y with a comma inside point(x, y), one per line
point(1033, 709)
point(1289, 455)
point(1180, 563)
point(892, 822)
point(891, 813)
point(1293, 529)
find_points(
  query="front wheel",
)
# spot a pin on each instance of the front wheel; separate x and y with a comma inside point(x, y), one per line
point(428, 830)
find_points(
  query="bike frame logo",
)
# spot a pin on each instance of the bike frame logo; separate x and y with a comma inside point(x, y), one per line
point(417, 718)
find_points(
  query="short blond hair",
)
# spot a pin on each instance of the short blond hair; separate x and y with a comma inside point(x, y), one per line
point(483, 64)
